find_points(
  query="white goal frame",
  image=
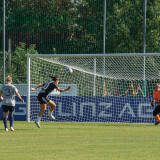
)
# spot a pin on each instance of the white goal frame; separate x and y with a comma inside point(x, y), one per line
point(76, 55)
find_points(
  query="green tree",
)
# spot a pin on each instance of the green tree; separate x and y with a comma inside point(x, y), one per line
point(77, 26)
point(88, 36)
point(44, 23)
point(153, 27)
point(124, 31)
point(19, 62)
point(18, 67)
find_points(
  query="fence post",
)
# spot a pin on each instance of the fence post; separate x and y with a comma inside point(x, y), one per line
point(3, 41)
point(144, 45)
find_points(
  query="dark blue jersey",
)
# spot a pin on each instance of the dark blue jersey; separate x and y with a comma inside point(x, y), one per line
point(48, 87)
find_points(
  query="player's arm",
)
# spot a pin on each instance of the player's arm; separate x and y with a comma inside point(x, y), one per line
point(18, 95)
point(39, 85)
point(152, 103)
point(63, 90)
point(1, 95)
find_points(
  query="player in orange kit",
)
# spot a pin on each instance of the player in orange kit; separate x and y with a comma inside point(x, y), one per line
point(156, 97)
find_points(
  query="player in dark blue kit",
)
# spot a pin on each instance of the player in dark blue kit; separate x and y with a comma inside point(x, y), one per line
point(43, 97)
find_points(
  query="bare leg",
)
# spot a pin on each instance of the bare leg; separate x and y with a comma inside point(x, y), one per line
point(52, 106)
point(43, 109)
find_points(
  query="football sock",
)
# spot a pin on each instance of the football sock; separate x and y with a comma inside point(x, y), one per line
point(50, 112)
point(38, 119)
point(11, 120)
point(5, 122)
point(157, 118)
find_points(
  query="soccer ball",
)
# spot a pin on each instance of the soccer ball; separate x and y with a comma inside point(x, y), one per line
point(69, 70)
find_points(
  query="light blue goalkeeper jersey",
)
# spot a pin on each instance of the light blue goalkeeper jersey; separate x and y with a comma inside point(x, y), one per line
point(8, 94)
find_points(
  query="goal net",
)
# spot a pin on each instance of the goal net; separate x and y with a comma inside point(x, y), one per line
point(105, 88)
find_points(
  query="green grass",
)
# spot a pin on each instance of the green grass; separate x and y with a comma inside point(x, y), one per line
point(80, 141)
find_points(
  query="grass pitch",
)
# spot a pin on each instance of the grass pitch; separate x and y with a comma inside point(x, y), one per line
point(80, 141)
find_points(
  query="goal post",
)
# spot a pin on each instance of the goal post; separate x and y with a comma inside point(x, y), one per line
point(105, 87)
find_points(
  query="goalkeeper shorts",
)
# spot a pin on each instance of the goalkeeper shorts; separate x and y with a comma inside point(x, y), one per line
point(156, 110)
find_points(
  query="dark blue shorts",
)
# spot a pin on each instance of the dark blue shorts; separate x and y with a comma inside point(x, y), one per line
point(8, 108)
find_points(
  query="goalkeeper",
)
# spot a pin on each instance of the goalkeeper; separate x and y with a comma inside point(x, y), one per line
point(156, 97)
point(43, 97)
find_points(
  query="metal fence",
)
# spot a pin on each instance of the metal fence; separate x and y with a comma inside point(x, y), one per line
point(75, 27)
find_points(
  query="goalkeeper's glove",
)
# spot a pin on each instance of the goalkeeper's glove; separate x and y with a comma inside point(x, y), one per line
point(152, 103)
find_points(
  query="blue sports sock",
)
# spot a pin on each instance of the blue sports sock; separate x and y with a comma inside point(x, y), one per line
point(11, 120)
point(5, 122)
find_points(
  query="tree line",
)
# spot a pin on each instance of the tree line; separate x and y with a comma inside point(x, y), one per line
point(76, 26)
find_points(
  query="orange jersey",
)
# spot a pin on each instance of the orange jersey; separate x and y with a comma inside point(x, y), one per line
point(156, 95)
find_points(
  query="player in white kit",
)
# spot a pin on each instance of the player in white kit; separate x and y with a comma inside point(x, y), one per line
point(7, 95)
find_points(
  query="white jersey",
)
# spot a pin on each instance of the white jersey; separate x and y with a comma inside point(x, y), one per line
point(8, 94)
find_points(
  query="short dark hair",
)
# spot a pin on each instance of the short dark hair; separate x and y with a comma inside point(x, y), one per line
point(55, 78)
